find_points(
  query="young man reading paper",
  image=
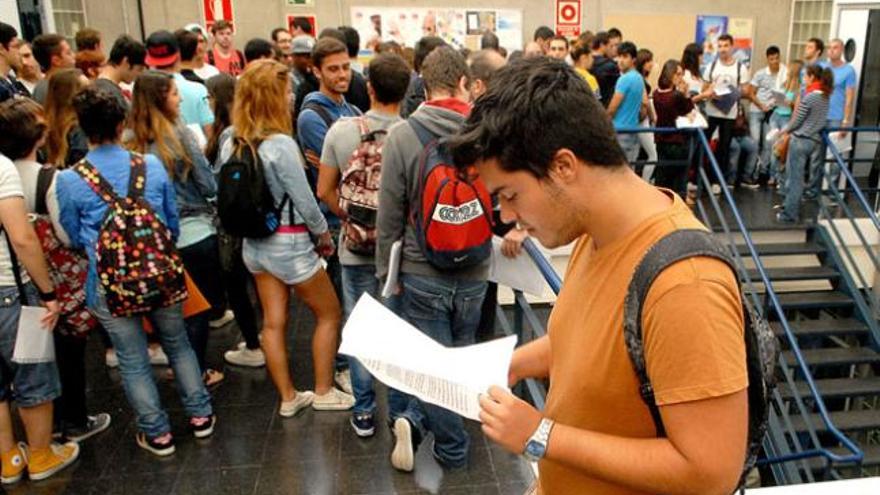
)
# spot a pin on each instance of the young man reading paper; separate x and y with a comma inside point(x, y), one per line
point(545, 148)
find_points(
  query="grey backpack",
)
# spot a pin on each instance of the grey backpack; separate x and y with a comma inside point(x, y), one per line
point(761, 346)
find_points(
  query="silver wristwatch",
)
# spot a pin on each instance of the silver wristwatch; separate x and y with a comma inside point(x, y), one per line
point(536, 447)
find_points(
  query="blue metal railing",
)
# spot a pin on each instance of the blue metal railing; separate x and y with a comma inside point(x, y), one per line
point(783, 446)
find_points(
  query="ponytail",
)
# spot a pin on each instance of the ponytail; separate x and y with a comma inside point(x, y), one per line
point(827, 80)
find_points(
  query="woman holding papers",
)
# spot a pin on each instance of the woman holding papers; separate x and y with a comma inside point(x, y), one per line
point(670, 103)
point(288, 258)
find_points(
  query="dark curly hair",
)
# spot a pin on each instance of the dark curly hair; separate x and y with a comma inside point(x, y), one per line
point(532, 109)
point(99, 113)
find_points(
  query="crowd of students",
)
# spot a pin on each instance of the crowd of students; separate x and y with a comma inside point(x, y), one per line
point(349, 160)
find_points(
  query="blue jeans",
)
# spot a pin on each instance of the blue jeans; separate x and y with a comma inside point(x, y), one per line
point(130, 342)
point(799, 152)
point(356, 281)
point(742, 148)
point(448, 311)
point(757, 131)
point(776, 122)
point(29, 384)
point(817, 166)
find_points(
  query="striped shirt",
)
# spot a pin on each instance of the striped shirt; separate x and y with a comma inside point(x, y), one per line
point(810, 117)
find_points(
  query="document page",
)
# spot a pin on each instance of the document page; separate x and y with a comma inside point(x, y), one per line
point(33, 342)
point(402, 357)
point(518, 273)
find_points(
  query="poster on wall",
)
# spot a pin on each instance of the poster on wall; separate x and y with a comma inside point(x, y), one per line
point(216, 10)
point(311, 18)
point(709, 28)
point(568, 18)
point(742, 30)
point(458, 27)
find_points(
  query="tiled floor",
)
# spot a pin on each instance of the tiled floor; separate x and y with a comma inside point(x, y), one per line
point(255, 451)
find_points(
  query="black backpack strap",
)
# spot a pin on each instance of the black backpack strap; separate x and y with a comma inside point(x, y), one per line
point(16, 270)
point(137, 178)
point(44, 180)
point(674, 247)
point(318, 109)
point(96, 181)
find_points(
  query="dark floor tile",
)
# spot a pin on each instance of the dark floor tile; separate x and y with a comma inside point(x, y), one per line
point(312, 478)
point(354, 446)
point(245, 386)
point(515, 488)
point(243, 420)
point(225, 451)
point(374, 474)
point(484, 489)
point(317, 445)
point(130, 459)
point(510, 468)
point(136, 484)
point(239, 481)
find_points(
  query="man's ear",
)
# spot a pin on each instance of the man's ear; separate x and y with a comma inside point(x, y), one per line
point(564, 166)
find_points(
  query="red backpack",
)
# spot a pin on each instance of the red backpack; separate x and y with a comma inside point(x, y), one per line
point(359, 191)
point(452, 216)
point(67, 268)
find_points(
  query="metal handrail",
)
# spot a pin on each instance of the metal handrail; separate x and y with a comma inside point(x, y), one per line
point(856, 454)
point(860, 197)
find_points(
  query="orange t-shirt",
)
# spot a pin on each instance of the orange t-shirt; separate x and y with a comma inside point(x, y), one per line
point(692, 327)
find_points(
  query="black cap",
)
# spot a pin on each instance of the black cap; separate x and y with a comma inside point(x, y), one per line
point(162, 49)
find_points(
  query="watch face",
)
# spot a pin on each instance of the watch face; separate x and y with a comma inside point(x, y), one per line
point(535, 450)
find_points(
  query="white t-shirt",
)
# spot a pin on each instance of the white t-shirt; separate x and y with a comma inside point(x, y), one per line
point(206, 71)
point(725, 76)
point(29, 173)
point(10, 187)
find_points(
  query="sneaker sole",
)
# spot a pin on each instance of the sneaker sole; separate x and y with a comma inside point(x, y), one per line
point(12, 480)
point(205, 433)
point(362, 433)
point(49, 472)
point(158, 452)
point(243, 363)
point(331, 407)
point(298, 409)
point(402, 456)
point(91, 433)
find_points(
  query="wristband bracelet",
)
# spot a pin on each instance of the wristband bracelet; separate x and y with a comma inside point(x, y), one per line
point(47, 296)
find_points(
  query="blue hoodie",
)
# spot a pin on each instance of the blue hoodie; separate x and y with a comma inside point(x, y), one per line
point(311, 130)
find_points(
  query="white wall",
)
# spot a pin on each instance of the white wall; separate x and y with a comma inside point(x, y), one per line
point(9, 13)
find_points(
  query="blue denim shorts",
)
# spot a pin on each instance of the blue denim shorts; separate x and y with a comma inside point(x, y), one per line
point(28, 384)
point(290, 258)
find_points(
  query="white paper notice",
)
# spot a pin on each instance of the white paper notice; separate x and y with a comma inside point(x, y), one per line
point(404, 358)
point(693, 120)
point(33, 342)
point(518, 273)
point(394, 258)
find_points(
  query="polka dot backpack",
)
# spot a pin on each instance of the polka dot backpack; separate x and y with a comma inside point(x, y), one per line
point(137, 263)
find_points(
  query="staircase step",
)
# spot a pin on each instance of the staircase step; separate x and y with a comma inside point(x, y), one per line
point(814, 300)
point(843, 420)
point(872, 457)
point(835, 356)
point(819, 328)
point(782, 248)
point(796, 273)
point(834, 388)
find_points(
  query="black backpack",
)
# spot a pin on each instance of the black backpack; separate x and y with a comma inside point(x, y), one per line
point(761, 347)
point(244, 202)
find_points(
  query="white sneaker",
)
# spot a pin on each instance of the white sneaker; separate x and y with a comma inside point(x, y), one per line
point(692, 188)
point(334, 400)
point(158, 357)
point(252, 358)
point(223, 320)
point(403, 455)
point(111, 359)
point(302, 400)
point(343, 381)
point(716, 189)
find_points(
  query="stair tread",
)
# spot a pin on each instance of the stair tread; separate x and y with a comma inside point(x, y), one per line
point(837, 355)
point(838, 387)
point(837, 326)
point(843, 420)
point(824, 298)
point(871, 452)
point(782, 248)
point(796, 273)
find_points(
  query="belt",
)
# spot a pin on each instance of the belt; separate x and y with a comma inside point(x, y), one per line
point(292, 229)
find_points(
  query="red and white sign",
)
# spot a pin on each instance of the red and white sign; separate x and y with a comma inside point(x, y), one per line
point(568, 18)
point(216, 10)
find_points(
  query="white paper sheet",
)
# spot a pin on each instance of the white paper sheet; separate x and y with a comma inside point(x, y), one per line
point(517, 273)
point(402, 357)
point(394, 258)
point(722, 90)
point(694, 120)
point(33, 342)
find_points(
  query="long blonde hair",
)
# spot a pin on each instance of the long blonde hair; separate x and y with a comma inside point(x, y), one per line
point(793, 83)
point(262, 102)
point(152, 123)
point(60, 115)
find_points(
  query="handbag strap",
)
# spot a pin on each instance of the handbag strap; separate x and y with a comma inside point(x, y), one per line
point(16, 270)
